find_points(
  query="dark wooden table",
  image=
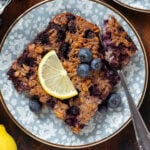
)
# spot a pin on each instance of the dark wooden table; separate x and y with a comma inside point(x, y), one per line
point(125, 140)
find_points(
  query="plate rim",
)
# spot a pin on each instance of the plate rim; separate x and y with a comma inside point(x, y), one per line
point(106, 138)
point(132, 8)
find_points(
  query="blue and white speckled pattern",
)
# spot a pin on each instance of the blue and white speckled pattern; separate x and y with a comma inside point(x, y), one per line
point(141, 4)
point(45, 125)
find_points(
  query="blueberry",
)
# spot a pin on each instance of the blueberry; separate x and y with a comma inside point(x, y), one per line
point(19, 84)
point(81, 126)
point(114, 100)
point(89, 34)
point(73, 110)
point(72, 27)
point(29, 61)
point(64, 50)
point(70, 17)
point(96, 64)
point(34, 104)
point(83, 70)
point(44, 53)
point(29, 74)
point(51, 102)
point(106, 22)
point(113, 77)
point(120, 29)
point(66, 101)
point(85, 55)
point(128, 38)
point(44, 39)
point(94, 90)
point(61, 35)
point(55, 26)
point(71, 120)
point(10, 73)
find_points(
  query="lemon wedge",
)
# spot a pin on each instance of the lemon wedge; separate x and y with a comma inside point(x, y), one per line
point(6, 140)
point(53, 77)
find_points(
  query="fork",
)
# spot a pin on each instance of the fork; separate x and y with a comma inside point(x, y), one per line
point(141, 131)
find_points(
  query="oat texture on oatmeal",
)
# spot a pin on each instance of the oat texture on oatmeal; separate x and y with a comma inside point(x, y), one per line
point(67, 34)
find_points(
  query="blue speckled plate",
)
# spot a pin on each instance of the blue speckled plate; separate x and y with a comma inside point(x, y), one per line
point(138, 5)
point(45, 127)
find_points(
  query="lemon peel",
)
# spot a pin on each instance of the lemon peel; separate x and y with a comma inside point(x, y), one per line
point(53, 77)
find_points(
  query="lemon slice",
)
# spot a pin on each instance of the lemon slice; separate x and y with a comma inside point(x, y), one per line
point(6, 140)
point(53, 77)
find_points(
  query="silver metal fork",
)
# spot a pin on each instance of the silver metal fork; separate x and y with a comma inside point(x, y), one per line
point(141, 131)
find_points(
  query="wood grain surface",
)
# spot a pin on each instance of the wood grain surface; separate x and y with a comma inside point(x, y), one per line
point(125, 140)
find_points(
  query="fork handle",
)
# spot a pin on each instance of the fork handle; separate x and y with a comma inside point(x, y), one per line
point(141, 131)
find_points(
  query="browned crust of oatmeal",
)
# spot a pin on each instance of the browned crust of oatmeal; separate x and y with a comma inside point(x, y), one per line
point(77, 33)
point(117, 43)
